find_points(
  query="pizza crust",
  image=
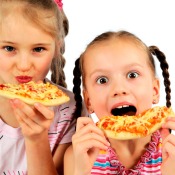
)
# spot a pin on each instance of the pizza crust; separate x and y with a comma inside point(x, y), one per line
point(121, 135)
point(29, 101)
point(133, 127)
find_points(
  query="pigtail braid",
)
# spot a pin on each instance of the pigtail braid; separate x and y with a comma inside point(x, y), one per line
point(58, 75)
point(62, 62)
point(57, 67)
point(164, 66)
point(77, 88)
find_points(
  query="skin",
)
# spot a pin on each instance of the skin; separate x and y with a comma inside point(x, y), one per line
point(26, 50)
point(116, 73)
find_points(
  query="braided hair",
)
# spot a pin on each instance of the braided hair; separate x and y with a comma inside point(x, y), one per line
point(152, 50)
point(57, 66)
point(164, 66)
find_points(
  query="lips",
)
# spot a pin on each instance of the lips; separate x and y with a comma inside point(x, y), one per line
point(23, 79)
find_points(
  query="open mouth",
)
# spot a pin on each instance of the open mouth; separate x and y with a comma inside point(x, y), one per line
point(124, 110)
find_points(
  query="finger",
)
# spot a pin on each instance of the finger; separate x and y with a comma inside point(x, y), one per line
point(83, 121)
point(170, 124)
point(28, 126)
point(29, 114)
point(170, 119)
point(45, 111)
point(22, 109)
point(168, 150)
point(85, 146)
point(90, 137)
point(24, 119)
point(89, 128)
point(164, 133)
point(170, 138)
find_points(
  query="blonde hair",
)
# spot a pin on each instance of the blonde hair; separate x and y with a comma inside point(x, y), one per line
point(46, 15)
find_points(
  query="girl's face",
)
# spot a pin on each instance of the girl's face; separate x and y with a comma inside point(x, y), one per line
point(118, 79)
point(26, 52)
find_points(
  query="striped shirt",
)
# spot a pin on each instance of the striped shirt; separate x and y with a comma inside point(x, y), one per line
point(149, 164)
point(12, 146)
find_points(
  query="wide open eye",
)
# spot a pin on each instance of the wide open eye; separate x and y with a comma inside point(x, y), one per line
point(102, 80)
point(132, 75)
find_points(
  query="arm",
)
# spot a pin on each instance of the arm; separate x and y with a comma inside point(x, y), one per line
point(35, 122)
point(39, 158)
point(58, 157)
point(86, 143)
point(168, 147)
point(69, 161)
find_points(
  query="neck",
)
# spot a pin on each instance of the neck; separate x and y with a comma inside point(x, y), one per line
point(132, 149)
point(7, 115)
point(131, 145)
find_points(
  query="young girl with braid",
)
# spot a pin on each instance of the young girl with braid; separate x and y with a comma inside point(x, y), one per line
point(33, 139)
point(118, 72)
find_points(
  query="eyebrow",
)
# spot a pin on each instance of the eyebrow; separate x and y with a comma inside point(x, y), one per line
point(4, 41)
point(103, 71)
point(9, 42)
point(40, 44)
point(127, 66)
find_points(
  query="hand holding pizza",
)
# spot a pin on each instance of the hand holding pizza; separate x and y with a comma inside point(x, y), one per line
point(32, 119)
point(29, 101)
point(168, 147)
point(87, 142)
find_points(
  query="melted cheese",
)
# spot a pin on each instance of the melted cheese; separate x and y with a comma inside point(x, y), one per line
point(34, 91)
point(136, 124)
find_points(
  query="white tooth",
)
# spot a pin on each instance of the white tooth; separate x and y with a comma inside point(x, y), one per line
point(125, 106)
point(119, 107)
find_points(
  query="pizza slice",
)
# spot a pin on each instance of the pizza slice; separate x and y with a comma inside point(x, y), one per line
point(131, 127)
point(31, 92)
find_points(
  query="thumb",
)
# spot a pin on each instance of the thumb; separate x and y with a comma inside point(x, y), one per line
point(164, 132)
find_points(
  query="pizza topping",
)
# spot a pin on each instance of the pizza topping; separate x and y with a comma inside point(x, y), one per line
point(31, 92)
point(134, 126)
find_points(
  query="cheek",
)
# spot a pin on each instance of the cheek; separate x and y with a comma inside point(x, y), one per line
point(99, 102)
point(44, 66)
point(6, 67)
point(145, 94)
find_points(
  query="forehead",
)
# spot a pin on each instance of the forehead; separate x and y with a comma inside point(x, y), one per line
point(23, 33)
point(116, 49)
point(42, 18)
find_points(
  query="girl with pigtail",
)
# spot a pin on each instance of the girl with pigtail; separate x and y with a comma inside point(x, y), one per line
point(118, 72)
point(33, 139)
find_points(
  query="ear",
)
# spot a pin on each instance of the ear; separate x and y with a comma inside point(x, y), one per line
point(87, 101)
point(156, 90)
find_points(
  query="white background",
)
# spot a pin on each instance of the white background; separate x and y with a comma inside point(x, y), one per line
point(151, 20)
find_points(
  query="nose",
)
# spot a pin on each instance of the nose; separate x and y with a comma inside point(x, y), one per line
point(23, 63)
point(120, 93)
point(119, 87)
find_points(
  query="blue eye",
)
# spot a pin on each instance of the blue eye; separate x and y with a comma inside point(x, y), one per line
point(9, 48)
point(38, 49)
point(102, 80)
point(132, 75)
